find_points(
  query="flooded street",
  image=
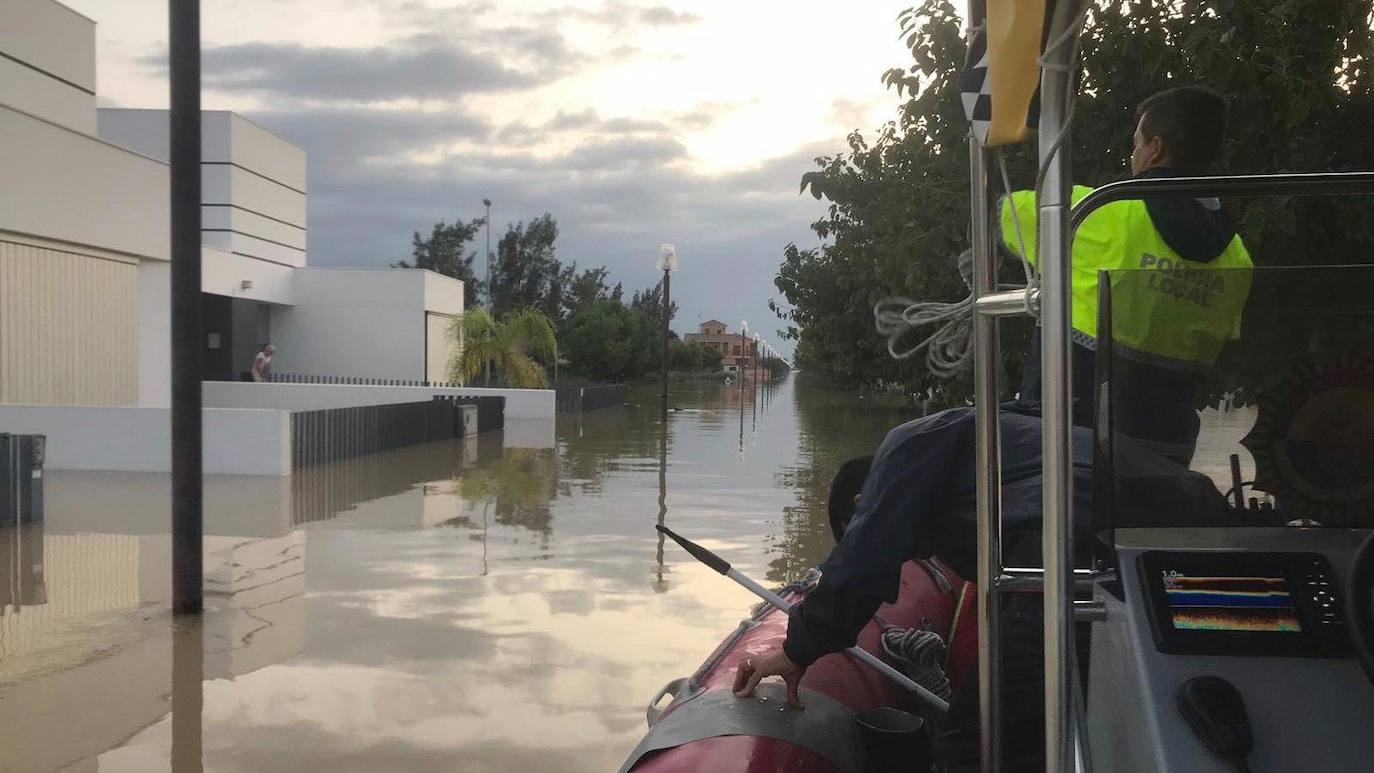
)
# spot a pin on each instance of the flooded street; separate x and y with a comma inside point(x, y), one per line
point(497, 605)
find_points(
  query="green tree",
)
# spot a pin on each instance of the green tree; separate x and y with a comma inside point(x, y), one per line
point(1301, 94)
point(511, 348)
point(588, 287)
point(527, 273)
point(610, 342)
point(443, 253)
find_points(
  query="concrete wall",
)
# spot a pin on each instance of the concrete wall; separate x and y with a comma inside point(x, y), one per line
point(154, 334)
point(48, 62)
point(136, 439)
point(68, 324)
point(65, 186)
point(438, 350)
point(520, 403)
point(254, 191)
point(368, 323)
point(223, 273)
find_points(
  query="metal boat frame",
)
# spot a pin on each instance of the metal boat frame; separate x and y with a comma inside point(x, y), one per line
point(1065, 728)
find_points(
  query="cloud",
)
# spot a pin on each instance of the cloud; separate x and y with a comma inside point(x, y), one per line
point(337, 135)
point(425, 66)
point(619, 14)
point(662, 15)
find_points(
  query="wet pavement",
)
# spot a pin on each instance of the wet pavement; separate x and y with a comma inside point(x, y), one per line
point(502, 604)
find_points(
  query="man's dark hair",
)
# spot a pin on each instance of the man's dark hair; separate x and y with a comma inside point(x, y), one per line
point(1192, 122)
point(847, 484)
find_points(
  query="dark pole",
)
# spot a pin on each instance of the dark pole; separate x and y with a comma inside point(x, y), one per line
point(491, 306)
point(487, 202)
point(667, 310)
point(184, 128)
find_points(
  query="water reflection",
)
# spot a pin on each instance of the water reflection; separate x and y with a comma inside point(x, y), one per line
point(502, 604)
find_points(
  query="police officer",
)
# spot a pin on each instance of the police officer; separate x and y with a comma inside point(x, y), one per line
point(1170, 317)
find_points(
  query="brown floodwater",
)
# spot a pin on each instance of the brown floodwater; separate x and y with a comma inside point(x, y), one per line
point(502, 604)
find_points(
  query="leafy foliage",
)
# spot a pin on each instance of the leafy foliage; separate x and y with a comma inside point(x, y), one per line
point(609, 341)
point(1301, 89)
point(511, 348)
point(443, 252)
point(694, 358)
point(527, 273)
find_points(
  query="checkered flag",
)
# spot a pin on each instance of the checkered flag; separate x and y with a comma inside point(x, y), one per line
point(974, 89)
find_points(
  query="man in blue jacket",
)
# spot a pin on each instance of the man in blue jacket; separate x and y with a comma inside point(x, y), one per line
point(918, 500)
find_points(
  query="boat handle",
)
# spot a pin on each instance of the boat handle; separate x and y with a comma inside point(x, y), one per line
point(653, 713)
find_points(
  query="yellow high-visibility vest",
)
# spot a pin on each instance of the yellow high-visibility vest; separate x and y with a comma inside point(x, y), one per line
point(1165, 309)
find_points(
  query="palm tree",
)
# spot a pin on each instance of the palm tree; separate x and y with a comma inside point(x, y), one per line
point(509, 347)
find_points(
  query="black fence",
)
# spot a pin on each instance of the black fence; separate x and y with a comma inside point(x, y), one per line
point(572, 398)
point(332, 434)
point(300, 378)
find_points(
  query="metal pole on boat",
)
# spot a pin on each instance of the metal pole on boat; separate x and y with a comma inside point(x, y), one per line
point(863, 656)
point(1056, 85)
point(986, 353)
point(185, 146)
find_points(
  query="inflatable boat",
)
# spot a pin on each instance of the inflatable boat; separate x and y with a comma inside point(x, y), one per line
point(847, 704)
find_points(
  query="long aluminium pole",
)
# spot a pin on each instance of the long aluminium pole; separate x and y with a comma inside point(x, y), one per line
point(1057, 393)
point(184, 129)
point(989, 468)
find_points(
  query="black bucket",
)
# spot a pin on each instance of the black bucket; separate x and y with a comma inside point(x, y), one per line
point(896, 741)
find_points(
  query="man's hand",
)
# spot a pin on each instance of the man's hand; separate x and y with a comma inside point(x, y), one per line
point(772, 663)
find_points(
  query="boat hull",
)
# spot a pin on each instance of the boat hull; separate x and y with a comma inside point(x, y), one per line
point(759, 734)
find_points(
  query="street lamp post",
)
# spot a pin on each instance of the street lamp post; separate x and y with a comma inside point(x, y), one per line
point(487, 204)
point(490, 306)
point(667, 263)
point(739, 359)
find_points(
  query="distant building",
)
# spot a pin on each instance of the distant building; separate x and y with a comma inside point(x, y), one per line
point(736, 350)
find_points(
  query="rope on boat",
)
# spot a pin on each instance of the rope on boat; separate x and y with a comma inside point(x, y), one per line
point(920, 654)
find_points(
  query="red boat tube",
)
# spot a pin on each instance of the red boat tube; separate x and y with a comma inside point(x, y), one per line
point(706, 728)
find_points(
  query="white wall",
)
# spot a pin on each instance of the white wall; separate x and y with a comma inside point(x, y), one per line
point(66, 186)
point(353, 322)
point(254, 189)
point(443, 294)
point(154, 333)
point(54, 77)
point(137, 439)
point(222, 273)
point(520, 403)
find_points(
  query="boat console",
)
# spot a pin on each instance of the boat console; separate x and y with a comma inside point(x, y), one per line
point(1236, 633)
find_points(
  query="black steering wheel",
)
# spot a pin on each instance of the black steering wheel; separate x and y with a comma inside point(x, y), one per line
point(1359, 608)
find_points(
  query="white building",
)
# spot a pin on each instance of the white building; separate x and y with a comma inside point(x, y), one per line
point(85, 329)
point(84, 272)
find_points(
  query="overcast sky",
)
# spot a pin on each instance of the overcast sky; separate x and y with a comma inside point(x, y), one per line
point(634, 123)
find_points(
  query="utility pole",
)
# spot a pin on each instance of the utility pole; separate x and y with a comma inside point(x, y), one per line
point(183, 18)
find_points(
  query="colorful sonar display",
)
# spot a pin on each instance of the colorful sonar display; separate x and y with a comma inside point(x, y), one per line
point(1211, 603)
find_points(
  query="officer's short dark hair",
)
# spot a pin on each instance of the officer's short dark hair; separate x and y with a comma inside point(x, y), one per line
point(847, 484)
point(1192, 122)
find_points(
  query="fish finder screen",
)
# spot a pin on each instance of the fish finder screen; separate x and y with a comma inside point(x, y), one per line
point(1199, 602)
